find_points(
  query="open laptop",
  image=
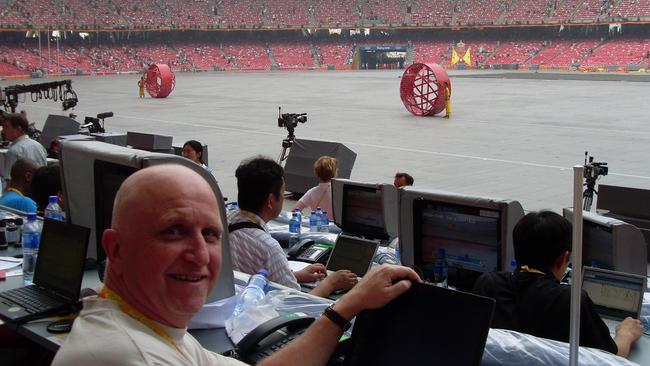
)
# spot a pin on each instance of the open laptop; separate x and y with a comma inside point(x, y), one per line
point(351, 253)
point(57, 276)
point(616, 295)
point(424, 326)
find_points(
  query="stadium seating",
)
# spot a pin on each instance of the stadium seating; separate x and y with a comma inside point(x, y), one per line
point(333, 52)
point(514, 52)
point(293, 54)
point(287, 12)
point(619, 52)
point(428, 11)
point(565, 52)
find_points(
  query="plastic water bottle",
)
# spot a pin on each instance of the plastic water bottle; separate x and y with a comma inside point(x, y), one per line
point(319, 213)
point(440, 268)
point(314, 221)
point(294, 230)
point(514, 265)
point(324, 223)
point(253, 293)
point(31, 241)
point(53, 211)
point(299, 214)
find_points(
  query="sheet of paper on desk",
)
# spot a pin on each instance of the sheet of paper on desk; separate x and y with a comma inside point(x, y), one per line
point(297, 266)
point(8, 263)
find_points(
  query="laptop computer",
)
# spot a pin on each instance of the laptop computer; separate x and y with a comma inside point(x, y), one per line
point(425, 325)
point(616, 295)
point(352, 253)
point(57, 276)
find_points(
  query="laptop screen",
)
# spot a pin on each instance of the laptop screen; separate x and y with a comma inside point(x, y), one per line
point(351, 253)
point(616, 295)
point(426, 325)
point(61, 257)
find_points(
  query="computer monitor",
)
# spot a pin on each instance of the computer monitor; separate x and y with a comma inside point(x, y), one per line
point(365, 209)
point(108, 179)
point(611, 244)
point(93, 171)
point(475, 232)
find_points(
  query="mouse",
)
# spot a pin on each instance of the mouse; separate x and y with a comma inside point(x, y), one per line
point(60, 326)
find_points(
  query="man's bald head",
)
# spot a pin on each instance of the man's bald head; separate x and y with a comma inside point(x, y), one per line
point(164, 246)
point(154, 184)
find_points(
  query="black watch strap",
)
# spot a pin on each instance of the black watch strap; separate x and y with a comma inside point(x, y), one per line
point(336, 318)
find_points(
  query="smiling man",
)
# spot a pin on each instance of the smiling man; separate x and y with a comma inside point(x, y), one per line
point(164, 251)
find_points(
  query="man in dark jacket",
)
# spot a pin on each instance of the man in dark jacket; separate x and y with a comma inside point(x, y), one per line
point(532, 299)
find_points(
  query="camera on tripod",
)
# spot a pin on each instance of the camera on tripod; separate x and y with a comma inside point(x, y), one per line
point(93, 123)
point(290, 122)
point(594, 169)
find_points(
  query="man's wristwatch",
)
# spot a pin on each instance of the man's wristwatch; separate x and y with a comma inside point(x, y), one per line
point(336, 318)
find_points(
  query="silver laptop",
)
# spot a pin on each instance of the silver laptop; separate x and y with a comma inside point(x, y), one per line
point(616, 295)
point(352, 253)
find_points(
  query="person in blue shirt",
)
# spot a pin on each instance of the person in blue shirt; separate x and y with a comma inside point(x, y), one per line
point(21, 177)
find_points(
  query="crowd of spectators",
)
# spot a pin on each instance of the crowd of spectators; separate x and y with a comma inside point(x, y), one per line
point(206, 14)
point(133, 56)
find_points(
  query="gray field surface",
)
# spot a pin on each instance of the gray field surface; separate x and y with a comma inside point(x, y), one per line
point(508, 138)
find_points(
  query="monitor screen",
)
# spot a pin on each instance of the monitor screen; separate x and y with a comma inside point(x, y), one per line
point(363, 212)
point(108, 179)
point(597, 245)
point(615, 294)
point(353, 254)
point(471, 237)
point(60, 263)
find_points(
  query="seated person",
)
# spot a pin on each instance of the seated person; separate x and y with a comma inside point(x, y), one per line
point(402, 179)
point(164, 250)
point(45, 183)
point(193, 150)
point(325, 168)
point(532, 299)
point(260, 185)
point(22, 173)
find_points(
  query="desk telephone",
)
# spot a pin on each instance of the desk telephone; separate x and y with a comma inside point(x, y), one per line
point(309, 251)
point(271, 336)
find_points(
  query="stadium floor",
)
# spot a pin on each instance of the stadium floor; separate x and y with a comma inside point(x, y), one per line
point(508, 138)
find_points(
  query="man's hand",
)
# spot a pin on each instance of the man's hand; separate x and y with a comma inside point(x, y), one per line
point(630, 328)
point(311, 273)
point(377, 288)
point(339, 280)
point(628, 332)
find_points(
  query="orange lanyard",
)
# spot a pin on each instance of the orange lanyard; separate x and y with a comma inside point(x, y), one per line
point(248, 215)
point(531, 270)
point(15, 190)
point(107, 293)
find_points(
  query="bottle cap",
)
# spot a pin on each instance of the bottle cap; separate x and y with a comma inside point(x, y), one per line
point(295, 214)
point(53, 199)
point(263, 272)
point(31, 216)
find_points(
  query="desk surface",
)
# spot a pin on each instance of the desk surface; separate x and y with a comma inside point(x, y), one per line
point(215, 340)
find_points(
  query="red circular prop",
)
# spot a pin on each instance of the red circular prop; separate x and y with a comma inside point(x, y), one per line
point(159, 80)
point(421, 89)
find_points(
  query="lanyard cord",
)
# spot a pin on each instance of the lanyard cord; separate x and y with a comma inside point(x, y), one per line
point(107, 293)
point(531, 270)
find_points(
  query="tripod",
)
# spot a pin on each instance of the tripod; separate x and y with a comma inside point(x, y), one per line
point(286, 144)
point(588, 194)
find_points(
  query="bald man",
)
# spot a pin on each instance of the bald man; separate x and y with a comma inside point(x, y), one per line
point(164, 251)
point(22, 173)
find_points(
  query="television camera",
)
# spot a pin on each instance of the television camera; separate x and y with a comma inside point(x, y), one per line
point(93, 123)
point(592, 171)
point(290, 122)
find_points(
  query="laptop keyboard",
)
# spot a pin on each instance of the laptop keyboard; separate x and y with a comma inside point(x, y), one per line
point(31, 298)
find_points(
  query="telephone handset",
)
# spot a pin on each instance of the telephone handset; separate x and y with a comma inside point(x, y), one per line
point(270, 336)
point(309, 251)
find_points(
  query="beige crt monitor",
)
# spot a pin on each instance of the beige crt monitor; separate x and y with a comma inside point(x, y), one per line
point(611, 244)
point(475, 232)
point(92, 171)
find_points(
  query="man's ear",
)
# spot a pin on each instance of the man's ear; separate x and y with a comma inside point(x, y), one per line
point(113, 249)
point(562, 259)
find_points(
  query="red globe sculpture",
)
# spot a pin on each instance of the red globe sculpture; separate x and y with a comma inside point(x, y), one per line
point(422, 90)
point(159, 80)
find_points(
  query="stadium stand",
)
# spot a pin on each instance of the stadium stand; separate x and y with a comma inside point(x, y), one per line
point(565, 52)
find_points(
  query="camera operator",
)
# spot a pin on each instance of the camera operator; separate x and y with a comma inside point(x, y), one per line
point(14, 129)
